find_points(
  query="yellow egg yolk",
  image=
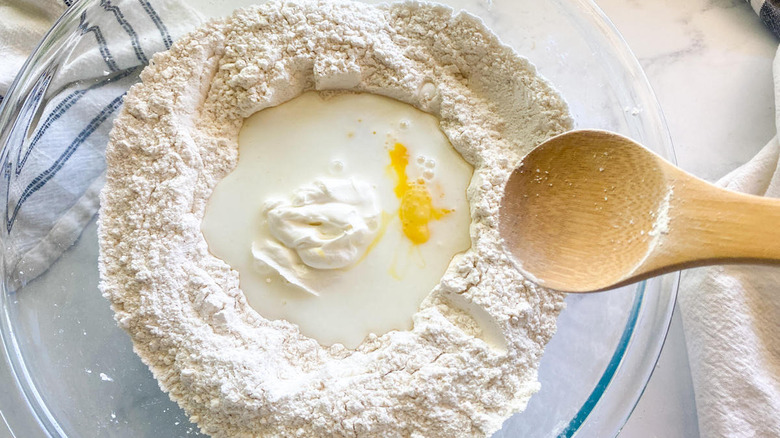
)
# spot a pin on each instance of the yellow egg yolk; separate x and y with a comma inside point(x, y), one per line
point(417, 208)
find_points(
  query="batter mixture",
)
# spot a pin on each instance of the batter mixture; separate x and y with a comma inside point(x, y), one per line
point(470, 359)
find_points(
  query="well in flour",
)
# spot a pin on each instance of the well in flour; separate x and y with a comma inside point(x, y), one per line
point(328, 250)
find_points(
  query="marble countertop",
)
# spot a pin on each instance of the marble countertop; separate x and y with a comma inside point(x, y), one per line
point(710, 64)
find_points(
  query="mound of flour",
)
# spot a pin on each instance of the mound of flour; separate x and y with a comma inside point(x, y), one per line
point(470, 360)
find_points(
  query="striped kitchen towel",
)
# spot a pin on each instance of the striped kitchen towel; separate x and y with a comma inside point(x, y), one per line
point(53, 156)
point(769, 11)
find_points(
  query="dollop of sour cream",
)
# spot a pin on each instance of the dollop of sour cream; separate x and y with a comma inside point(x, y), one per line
point(329, 224)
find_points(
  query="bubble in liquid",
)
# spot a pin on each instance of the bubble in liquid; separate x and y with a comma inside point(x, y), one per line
point(336, 166)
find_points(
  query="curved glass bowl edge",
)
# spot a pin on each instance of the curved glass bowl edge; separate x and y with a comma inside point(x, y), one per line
point(612, 366)
point(23, 397)
point(631, 374)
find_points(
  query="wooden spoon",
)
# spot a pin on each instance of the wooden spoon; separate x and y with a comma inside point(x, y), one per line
point(591, 210)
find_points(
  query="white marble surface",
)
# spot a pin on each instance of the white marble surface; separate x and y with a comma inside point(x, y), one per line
point(709, 62)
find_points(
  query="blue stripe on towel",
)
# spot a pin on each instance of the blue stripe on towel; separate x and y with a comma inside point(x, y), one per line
point(101, 41)
point(120, 18)
point(157, 22)
point(27, 110)
point(60, 110)
point(41, 180)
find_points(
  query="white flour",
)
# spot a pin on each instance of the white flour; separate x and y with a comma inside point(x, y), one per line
point(470, 360)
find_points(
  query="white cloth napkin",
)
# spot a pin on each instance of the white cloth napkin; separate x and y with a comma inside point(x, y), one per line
point(731, 319)
point(53, 174)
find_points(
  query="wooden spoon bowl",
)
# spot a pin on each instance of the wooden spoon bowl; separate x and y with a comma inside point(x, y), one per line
point(589, 210)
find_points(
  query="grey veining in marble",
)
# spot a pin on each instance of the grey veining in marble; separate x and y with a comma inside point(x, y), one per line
point(709, 62)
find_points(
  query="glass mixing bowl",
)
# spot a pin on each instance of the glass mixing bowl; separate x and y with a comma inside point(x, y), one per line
point(68, 371)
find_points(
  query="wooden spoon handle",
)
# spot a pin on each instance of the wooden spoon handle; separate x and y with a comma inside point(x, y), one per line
point(710, 225)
